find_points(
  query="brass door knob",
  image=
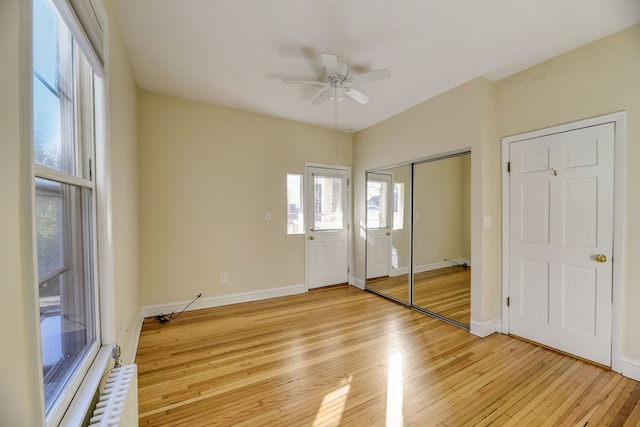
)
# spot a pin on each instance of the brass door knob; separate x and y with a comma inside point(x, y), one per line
point(312, 238)
point(600, 258)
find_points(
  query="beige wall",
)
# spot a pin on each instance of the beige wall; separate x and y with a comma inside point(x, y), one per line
point(438, 211)
point(207, 175)
point(20, 370)
point(124, 177)
point(459, 119)
point(465, 208)
point(20, 380)
point(596, 79)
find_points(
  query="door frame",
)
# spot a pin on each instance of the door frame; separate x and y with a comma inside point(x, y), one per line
point(348, 216)
point(619, 120)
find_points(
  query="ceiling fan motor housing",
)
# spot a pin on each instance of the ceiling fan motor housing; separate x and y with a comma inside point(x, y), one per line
point(339, 85)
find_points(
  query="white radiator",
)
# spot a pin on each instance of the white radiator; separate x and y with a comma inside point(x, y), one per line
point(118, 403)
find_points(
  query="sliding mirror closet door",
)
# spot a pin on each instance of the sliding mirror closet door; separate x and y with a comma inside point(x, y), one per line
point(388, 232)
point(442, 237)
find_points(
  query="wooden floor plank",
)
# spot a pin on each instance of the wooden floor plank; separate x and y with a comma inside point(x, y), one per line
point(341, 356)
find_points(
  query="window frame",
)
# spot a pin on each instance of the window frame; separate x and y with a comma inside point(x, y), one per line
point(73, 401)
point(336, 203)
point(300, 213)
point(397, 210)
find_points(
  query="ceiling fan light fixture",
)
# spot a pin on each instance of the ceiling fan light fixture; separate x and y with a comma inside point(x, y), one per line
point(337, 94)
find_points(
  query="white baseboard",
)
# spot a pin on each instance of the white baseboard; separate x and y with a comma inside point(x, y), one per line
point(217, 301)
point(358, 283)
point(486, 328)
point(399, 272)
point(428, 267)
point(630, 368)
point(438, 265)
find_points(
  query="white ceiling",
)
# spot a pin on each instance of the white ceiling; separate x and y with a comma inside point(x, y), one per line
point(235, 53)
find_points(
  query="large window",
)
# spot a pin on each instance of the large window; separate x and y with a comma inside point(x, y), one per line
point(63, 107)
point(295, 212)
point(398, 205)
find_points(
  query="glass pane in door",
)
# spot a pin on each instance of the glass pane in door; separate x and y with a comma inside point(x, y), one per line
point(328, 203)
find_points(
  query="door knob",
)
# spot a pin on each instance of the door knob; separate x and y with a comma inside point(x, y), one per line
point(312, 238)
point(388, 233)
point(600, 258)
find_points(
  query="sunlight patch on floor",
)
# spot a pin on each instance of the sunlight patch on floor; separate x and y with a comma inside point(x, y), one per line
point(394, 391)
point(332, 407)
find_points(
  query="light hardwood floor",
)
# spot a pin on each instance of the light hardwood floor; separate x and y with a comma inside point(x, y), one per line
point(444, 291)
point(341, 356)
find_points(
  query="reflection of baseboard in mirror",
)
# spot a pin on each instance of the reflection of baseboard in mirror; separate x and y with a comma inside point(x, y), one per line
point(459, 262)
point(429, 224)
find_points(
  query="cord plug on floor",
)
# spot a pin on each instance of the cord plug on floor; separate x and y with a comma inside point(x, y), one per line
point(166, 318)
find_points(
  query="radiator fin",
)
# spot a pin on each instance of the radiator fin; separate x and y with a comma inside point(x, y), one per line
point(118, 403)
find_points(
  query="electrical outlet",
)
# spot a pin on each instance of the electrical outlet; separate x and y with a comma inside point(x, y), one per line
point(223, 278)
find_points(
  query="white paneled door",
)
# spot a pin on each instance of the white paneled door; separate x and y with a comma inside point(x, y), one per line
point(327, 226)
point(561, 241)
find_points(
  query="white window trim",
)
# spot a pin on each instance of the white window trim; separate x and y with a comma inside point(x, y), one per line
point(302, 192)
point(70, 18)
point(64, 178)
point(80, 404)
point(73, 410)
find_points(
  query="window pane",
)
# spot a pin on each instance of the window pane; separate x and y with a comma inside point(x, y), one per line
point(46, 126)
point(377, 199)
point(295, 217)
point(49, 226)
point(45, 41)
point(398, 205)
point(53, 97)
point(328, 203)
point(63, 214)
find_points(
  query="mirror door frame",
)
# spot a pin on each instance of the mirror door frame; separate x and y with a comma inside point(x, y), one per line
point(411, 164)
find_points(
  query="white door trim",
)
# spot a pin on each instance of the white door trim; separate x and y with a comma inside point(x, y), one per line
point(349, 217)
point(620, 139)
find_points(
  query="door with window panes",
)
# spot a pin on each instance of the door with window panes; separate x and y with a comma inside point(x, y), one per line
point(327, 226)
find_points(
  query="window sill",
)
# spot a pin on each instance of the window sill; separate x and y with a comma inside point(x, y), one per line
point(81, 406)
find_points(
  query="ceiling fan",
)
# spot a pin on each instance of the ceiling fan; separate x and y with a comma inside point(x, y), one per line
point(338, 82)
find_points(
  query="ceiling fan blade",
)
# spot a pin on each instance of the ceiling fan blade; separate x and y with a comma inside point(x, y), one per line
point(306, 82)
point(371, 76)
point(357, 96)
point(321, 98)
point(330, 63)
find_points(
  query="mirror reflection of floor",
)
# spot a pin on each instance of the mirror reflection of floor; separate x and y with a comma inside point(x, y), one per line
point(445, 291)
